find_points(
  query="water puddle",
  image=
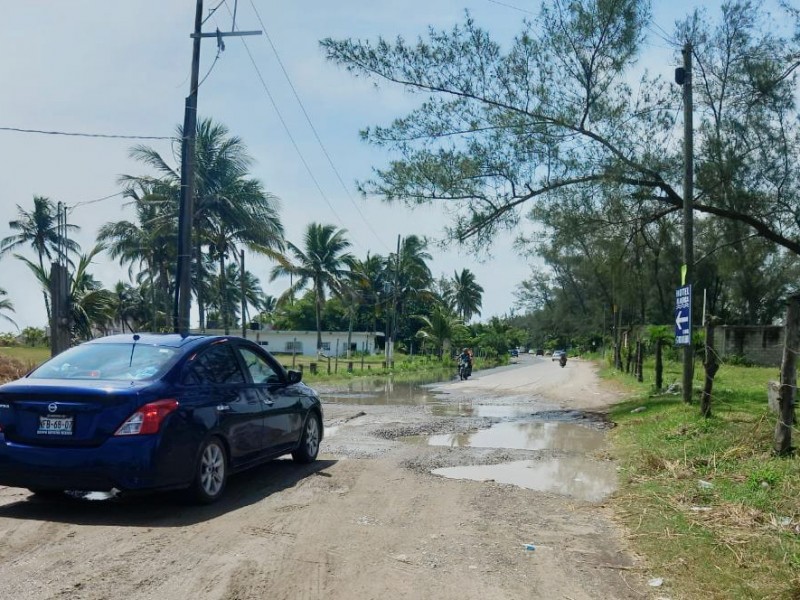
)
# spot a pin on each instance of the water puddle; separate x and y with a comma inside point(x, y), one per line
point(571, 476)
point(384, 391)
point(492, 411)
point(525, 436)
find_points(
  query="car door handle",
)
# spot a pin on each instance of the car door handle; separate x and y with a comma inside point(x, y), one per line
point(269, 402)
point(223, 408)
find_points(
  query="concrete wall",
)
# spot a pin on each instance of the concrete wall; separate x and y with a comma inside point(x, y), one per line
point(760, 345)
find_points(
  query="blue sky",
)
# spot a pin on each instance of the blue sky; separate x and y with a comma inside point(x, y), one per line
point(122, 68)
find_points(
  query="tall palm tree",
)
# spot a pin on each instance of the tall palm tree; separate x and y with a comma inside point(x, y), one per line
point(466, 294)
point(90, 305)
point(410, 280)
point(39, 228)
point(229, 207)
point(148, 243)
point(322, 262)
point(6, 306)
point(440, 327)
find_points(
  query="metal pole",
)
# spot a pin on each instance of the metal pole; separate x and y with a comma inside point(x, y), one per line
point(688, 196)
point(183, 291)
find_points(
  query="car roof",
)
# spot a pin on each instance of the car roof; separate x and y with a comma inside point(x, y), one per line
point(171, 340)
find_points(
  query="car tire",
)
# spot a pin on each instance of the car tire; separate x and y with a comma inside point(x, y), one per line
point(308, 449)
point(211, 472)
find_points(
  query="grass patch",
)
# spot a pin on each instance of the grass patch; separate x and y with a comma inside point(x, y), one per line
point(714, 511)
point(30, 356)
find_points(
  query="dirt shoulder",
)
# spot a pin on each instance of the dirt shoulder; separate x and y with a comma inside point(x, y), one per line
point(367, 520)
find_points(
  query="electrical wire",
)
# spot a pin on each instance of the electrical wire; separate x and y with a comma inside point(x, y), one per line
point(511, 6)
point(86, 202)
point(88, 135)
point(290, 136)
point(314, 129)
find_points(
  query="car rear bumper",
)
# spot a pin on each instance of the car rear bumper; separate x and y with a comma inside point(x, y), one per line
point(124, 463)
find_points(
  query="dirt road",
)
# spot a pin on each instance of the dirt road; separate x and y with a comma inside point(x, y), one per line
point(368, 520)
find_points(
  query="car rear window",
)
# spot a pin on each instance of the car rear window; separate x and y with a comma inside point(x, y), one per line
point(124, 362)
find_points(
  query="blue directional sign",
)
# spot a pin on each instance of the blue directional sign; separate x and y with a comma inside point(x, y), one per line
point(683, 315)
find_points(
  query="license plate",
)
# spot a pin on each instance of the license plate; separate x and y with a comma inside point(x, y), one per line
point(55, 425)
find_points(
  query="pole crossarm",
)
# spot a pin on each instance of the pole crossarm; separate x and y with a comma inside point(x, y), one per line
point(225, 34)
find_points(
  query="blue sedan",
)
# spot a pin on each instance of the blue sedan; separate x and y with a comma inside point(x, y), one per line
point(154, 412)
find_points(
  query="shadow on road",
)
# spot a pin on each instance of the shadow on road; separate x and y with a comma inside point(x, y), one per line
point(168, 509)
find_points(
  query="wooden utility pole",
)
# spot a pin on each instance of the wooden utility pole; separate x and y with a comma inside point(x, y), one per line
point(688, 209)
point(787, 393)
point(183, 280)
point(244, 300)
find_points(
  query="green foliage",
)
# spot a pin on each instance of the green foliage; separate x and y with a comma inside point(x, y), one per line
point(34, 336)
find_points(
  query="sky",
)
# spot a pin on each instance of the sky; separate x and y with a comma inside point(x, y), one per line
point(122, 68)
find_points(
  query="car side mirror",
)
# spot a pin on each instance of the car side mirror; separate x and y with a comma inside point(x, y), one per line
point(294, 377)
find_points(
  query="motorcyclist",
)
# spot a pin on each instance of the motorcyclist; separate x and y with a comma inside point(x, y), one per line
point(465, 361)
point(563, 359)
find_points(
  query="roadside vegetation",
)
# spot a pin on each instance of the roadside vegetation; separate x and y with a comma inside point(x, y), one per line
point(705, 500)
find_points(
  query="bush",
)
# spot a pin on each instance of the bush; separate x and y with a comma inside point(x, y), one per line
point(11, 369)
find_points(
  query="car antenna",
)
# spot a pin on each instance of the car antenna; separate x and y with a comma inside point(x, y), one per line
point(136, 338)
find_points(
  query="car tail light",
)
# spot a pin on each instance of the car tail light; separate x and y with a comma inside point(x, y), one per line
point(148, 418)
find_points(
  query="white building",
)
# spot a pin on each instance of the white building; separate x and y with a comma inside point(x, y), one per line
point(305, 342)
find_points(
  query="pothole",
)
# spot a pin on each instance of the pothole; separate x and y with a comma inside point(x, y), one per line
point(576, 477)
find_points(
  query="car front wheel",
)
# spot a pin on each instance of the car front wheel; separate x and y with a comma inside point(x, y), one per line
point(211, 473)
point(309, 443)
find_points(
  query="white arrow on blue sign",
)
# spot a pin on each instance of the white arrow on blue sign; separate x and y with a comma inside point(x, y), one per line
point(683, 315)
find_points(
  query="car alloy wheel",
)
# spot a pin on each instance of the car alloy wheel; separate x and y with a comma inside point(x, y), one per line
point(309, 444)
point(212, 472)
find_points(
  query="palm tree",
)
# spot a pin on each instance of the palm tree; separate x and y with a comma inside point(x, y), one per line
point(6, 305)
point(440, 328)
point(409, 279)
point(90, 305)
point(229, 207)
point(323, 262)
point(148, 243)
point(39, 228)
point(466, 295)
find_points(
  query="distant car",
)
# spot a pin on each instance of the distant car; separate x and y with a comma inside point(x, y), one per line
point(514, 353)
point(539, 352)
point(154, 412)
point(557, 354)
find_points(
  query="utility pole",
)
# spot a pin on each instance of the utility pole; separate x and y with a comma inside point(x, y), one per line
point(393, 335)
point(244, 301)
point(688, 210)
point(183, 275)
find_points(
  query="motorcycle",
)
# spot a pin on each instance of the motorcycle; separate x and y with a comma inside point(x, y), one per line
point(563, 360)
point(464, 369)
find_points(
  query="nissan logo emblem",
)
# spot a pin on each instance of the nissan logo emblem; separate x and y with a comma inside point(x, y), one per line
point(52, 407)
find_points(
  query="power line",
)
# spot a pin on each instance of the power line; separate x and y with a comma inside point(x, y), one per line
point(289, 134)
point(88, 135)
point(314, 129)
point(511, 6)
point(85, 202)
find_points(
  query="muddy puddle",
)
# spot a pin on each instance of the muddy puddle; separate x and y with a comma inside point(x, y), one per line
point(570, 476)
point(521, 423)
point(384, 391)
point(529, 435)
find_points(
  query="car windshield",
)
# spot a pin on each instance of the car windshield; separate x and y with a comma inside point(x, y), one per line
point(125, 362)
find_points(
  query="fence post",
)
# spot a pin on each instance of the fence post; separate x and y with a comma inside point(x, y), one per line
point(711, 366)
point(313, 368)
point(786, 400)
